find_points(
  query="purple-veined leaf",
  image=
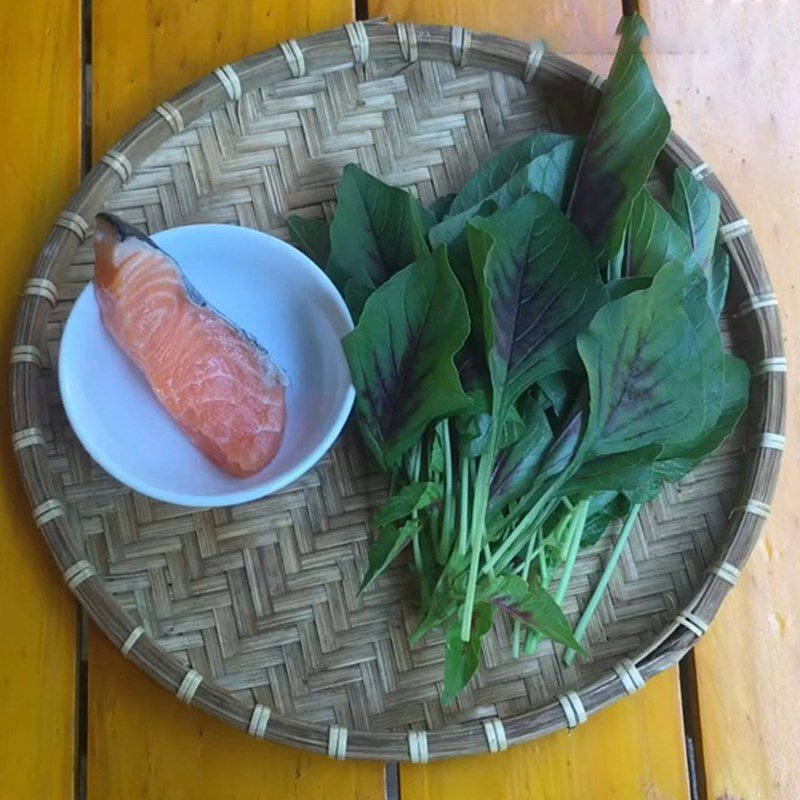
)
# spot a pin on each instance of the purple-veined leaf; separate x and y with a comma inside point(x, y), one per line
point(650, 357)
point(540, 289)
point(532, 606)
point(401, 356)
point(629, 130)
point(377, 230)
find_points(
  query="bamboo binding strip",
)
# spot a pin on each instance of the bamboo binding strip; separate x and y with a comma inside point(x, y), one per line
point(253, 613)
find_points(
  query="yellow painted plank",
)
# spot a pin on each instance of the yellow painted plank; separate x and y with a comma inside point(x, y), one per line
point(144, 744)
point(39, 168)
point(727, 70)
point(634, 749)
point(144, 51)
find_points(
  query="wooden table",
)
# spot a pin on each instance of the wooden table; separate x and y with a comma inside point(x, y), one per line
point(78, 720)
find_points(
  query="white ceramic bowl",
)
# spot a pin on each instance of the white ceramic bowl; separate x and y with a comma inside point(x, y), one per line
point(272, 291)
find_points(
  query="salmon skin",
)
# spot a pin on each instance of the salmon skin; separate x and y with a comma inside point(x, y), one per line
point(216, 381)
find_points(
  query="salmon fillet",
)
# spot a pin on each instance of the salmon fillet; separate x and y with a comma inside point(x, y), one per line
point(215, 380)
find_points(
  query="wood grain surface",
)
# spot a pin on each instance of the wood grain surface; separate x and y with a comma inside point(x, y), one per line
point(144, 51)
point(39, 168)
point(634, 749)
point(144, 744)
point(724, 68)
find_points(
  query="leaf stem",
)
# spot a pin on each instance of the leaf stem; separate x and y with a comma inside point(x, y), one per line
point(505, 553)
point(594, 601)
point(576, 527)
point(480, 501)
point(448, 520)
point(415, 468)
point(463, 515)
point(526, 568)
point(487, 554)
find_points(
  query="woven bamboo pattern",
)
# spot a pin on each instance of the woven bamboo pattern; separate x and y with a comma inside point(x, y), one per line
point(253, 612)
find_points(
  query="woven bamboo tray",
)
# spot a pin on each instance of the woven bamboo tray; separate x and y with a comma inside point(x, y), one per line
point(252, 612)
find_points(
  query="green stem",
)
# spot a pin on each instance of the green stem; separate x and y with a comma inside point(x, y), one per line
point(487, 554)
point(463, 515)
point(415, 468)
point(506, 552)
point(581, 511)
point(414, 462)
point(575, 533)
point(417, 557)
point(480, 502)
point(602, 585)
point(544, 572)
point(448, 521)
point(526, 568)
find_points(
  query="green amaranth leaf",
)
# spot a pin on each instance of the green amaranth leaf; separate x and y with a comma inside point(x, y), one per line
point(387, 547)
point(312, 236)
point(695, 209)
point(377, 230)
point(516, 466)
point(401, 356)
point(629, 130)
point(692, 291)
point(461, 659)
point(474, 375)
point(475, 431)
point(718, 276)
point(557, 391)
point(500, 167)
point(461, 262)
point(678, 460)
point(654, 238)
point(646, 368)
point(623, 286)
point(441, 205)
point(413, 497)
point(674, 461)
point(566, 446)
point(437, 457)
point(604, 508)
point(551, 172)
point(541, 288)
point(532, 606)
point(627, 472)
point(442, 606)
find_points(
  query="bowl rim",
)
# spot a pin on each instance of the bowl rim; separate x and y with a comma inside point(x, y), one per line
point(254, 492)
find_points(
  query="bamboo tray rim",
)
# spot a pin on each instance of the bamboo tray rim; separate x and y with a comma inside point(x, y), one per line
point(343, 49)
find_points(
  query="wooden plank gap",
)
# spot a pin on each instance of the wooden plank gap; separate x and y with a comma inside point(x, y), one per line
point(691, 724)
point(81, 702)
point(392, 781)
point(630, 7)
point(82, 624)
point(86, 86)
